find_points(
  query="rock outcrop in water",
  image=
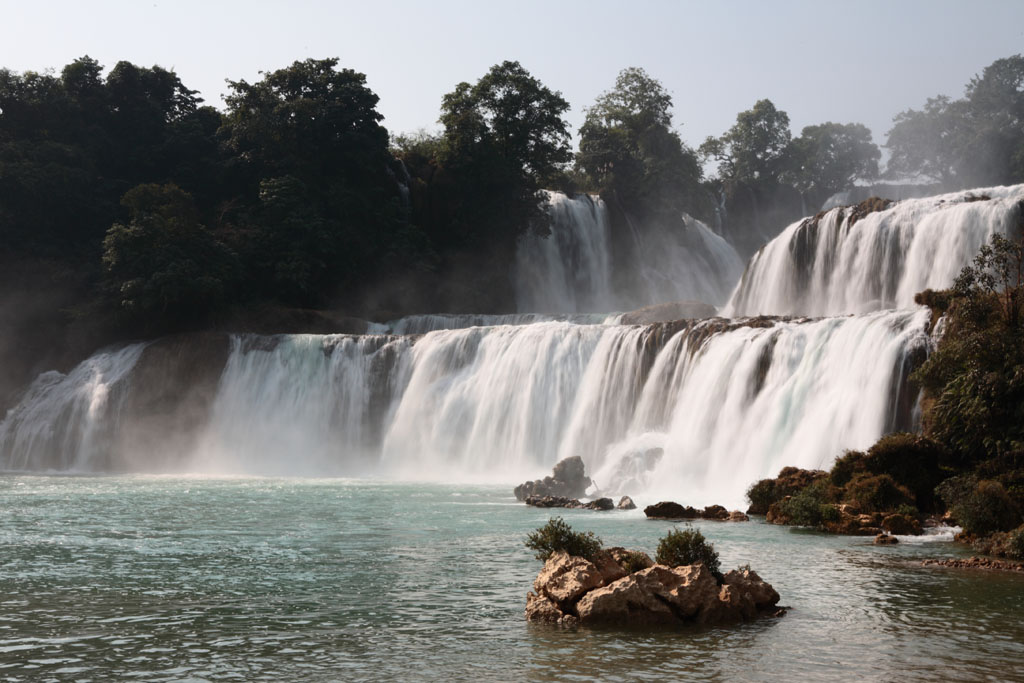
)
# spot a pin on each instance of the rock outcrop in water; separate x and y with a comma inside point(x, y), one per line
point(571, 590)
point(571, 503)
point(567, 480)
point(674, 511)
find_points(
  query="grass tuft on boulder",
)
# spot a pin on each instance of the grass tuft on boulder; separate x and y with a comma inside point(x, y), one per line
point(688, 546)
point(557, 535)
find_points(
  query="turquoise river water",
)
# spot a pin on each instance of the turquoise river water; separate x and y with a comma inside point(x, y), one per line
point(155, 578)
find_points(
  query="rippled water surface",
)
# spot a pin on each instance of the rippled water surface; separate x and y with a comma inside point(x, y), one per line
point(255, 579)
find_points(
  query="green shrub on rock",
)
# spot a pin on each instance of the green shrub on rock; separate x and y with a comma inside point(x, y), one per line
point(556, 536)
point(877, 493)
point(635, 561)
point(912, 461)
point(811, 506)
point(981, 507)
point(761, 495)
point(685, 547)
point(845, 466)
point(1015, 544)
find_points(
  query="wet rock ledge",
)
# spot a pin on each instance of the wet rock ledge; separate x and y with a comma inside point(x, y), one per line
point(674, 511)
point(571, 590)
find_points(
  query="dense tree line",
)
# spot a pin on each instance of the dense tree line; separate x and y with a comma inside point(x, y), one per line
point(172, 214)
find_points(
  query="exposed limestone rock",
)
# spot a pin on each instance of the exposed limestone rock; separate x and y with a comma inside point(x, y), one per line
point(885, 539)
point(565, 578)
point(626, 503)
point(737, 516)
point(571, 590)
point(568, 480)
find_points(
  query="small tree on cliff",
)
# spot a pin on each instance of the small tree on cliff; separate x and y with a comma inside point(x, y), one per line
point(974, 381)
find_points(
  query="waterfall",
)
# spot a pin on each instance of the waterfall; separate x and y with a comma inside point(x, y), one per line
point(693, 410)
point(844, 262)
point(571, 270)
point(423, 323)
point(703, 407)
point(68, 422)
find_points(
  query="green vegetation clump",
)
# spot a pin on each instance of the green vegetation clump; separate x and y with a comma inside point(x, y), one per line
point(634, 561)
point(845, 466)
point(557, 536)
point(811, 506)
point(877, 493)
point(1015, 543)
point(791, 480)
point(761, 495)
point(685, 547)
point(980, 507)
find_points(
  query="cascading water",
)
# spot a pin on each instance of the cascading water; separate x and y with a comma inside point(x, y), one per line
point(693, 411)
point(723, 402)
point(67, 422)
point(841, 262)
point(571, 269)
point(421, 324)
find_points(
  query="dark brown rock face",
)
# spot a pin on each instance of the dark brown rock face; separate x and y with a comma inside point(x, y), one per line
point(670, 510)
point(667, 509)
point(573, 503)
point(567, 480)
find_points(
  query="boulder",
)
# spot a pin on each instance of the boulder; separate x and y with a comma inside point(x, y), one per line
point(737, 516)
point(609, 565)
point(715, 512)
point(885, 539)
point(669, 510)
point(571, 590)
point(626, 503)
point(902, 525)
point(565, 578)
point(568, 480)
point(563, 502)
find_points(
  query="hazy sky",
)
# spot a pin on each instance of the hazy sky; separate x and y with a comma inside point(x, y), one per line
point(817, 60)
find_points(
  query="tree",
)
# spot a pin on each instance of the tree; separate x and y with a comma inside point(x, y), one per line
point(974, 381)
point(512, 115)
point(829, 157)
point(309, 120)
point(753, 150)
point(928, 143)
point(504, 140)
point(628, 148)
point(312, 164)
point(977, 140)
point(164, 267)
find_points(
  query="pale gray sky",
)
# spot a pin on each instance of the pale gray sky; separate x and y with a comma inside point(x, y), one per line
point(819, 61)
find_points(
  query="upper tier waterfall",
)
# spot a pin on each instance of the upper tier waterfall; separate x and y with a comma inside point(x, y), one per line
point(573, 269)
point(845, 261)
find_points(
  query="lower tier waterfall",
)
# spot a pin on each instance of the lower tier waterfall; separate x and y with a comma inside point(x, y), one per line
point(697, 409)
